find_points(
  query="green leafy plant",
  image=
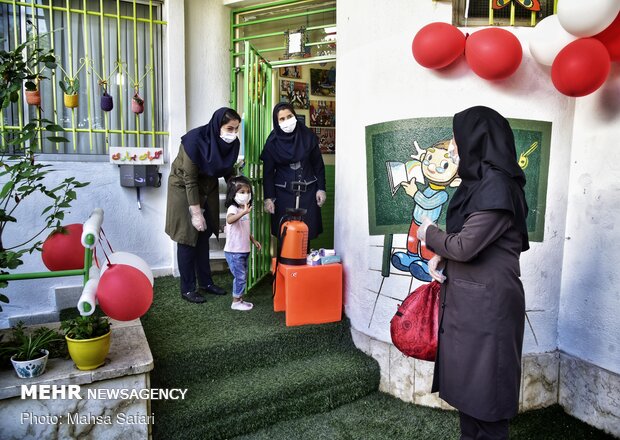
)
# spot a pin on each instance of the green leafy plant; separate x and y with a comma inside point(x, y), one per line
point(26, 346)
point(71, 86)
point(24, 64)
point(86, 327)
point(22, 175)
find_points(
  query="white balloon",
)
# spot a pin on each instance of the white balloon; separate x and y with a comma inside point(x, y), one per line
point(548, 38)
point(129, 260)
point(585, 19)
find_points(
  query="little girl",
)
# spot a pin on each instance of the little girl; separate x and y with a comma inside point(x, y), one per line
point(238, 236)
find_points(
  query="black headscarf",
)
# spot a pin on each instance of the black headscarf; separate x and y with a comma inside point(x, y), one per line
point(289, 147)
point(208, 151)
point(491, 176)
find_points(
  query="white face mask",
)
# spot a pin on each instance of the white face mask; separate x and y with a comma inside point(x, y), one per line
point(289, 125)
point(453, 154)
point(228, 137)
point(243, 199)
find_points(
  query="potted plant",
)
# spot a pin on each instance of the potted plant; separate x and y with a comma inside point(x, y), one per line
point(137, 104)
point(33, 94)
point(71, 89)
point(29, 351)
point(88, 340)
point(107, 102)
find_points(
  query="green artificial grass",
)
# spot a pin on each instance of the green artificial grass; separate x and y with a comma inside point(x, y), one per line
point(379, 416)
point(249, 375)
point(246, 370)
point(218, 341)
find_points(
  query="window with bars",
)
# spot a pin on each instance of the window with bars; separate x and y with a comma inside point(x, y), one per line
point(481, 12)
point(111, 44)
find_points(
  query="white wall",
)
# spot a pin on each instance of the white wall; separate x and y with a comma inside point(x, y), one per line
point(589, 327)
point(378, 80)
point(137, 231)
point(207, 39)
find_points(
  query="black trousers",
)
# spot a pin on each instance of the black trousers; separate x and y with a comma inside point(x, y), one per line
point(474, 429)
point(195, 260)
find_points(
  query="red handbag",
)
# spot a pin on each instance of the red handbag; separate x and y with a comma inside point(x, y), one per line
point(415, 325)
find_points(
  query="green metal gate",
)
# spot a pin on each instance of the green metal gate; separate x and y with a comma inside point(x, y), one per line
point(257, 124)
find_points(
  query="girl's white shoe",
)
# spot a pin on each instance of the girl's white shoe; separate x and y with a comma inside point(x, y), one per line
point(241, 305)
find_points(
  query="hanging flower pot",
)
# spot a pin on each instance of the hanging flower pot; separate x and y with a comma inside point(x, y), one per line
point(33, 97)
point(71, 101)
point(71, 89)
point(107, 103)
point(32, 92)
point(137, 104)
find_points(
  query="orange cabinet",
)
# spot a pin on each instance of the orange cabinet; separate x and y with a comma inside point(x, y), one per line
point(309, 294)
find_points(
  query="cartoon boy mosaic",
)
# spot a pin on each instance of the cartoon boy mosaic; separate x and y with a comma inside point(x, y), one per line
point(439, 170)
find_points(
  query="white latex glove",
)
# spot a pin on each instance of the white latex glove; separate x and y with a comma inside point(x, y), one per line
point(435, 268)
point(198, 220)
point(426, 222)
point(270, 207)
point(321, 196)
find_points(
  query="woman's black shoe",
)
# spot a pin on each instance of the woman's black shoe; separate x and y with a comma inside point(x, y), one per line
point(193, 297)
point(215, 290)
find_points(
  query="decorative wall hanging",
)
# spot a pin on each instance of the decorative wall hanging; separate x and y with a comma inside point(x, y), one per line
point(291, 72)
point(532, 5)
point(323, 82)
point(327, 139)
point(137, 102)
point(295, 43)
point(33, 95)
point(136, 156)
point(70, 85)
point(106, 102)
point(323, 113)
point(295, 93)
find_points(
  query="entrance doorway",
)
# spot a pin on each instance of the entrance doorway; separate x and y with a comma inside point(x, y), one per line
point(285, 51)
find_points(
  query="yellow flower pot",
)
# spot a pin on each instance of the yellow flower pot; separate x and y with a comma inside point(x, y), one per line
point(89, 354)
point(71, 101)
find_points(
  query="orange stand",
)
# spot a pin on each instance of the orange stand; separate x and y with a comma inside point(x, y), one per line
point(309, 294)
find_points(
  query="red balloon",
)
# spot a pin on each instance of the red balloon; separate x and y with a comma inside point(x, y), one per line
point(493, 53)
point(581, 67)
point(437, 45)
point(610, 37)
point(124, 293)
point(63, 250)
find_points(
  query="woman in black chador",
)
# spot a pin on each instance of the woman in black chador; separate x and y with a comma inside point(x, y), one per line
point(478, 365)
point(292, 154)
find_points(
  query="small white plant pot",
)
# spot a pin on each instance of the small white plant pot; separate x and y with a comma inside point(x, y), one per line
point(32, 368)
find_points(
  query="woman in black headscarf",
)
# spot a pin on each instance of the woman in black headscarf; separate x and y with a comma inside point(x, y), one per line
point(478, 365)
point(292, 154)
point(192, 212)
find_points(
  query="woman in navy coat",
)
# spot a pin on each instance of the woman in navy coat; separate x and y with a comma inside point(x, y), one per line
point(292, 154)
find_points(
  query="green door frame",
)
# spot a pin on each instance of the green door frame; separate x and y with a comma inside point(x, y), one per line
point(257, 103)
